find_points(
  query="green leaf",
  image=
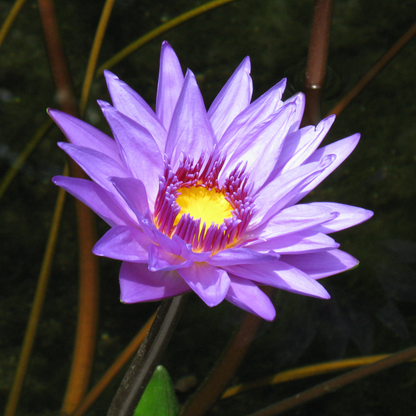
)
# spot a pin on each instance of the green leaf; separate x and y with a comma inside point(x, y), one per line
point(159, 398)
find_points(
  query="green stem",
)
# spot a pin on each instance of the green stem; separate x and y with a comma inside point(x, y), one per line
point(147, 358)
point(336, 383)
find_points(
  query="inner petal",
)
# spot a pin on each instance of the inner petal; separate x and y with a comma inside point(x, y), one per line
point(207, 204)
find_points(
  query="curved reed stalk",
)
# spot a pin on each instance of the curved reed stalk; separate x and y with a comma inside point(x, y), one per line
point(11, 17)
point(304, 372)
point(38, 302)
point(95, 51)
point(105, 380)
point(89, 282)
point(336, 383)
point(379, 65)
point(158, 31)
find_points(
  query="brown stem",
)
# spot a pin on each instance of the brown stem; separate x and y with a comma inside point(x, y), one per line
point(88, 292)
point(317, 59)
point(336, 383)
point(385, 59)
point(105, 380)
point(148, 357)
point(217, 381)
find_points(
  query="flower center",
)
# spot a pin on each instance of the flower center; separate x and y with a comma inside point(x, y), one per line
point(207, 204)
point(193, 206)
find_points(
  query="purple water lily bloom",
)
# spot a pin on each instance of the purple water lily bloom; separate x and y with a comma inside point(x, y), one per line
point(207, 201)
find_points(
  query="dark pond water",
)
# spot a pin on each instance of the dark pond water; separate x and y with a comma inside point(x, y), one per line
point(372, 310)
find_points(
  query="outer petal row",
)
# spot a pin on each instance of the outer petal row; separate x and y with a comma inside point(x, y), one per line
point(233, 98)
point(280, 275)
point(129, 103)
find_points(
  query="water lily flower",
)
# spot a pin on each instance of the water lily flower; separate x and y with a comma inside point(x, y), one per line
point(208, 200)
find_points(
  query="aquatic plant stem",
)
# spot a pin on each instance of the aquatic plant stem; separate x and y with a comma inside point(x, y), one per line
point(317, 60)
point(21, 159)
point(89, 288)
point(380, 64)
point(216, 382)
point(147, 358)
point(105, 380)
point(160, 30)
point(336, 383)
point(304, 372)
point(37, 306)
point(95, 50)
point(11, 17)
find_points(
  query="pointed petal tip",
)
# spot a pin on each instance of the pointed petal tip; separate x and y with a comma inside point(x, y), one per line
point(103, 104)
point(246, 63)
point(109, 75)
point(63, 145)
point(51, 112)
point(166, 44)
point(56, 179)
point(56, 115)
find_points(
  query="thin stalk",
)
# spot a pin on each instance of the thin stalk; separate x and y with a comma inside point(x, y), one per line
point(38, 302)
point(128, 352)
point(158, 31)
point(95, 51)
point(336, 383)
point(147, 358)
point(11, 17)
point(303, 372)
point(216, 382)
point(88, 290)
point(384, 60)
point(317, 60)
point(19, 162)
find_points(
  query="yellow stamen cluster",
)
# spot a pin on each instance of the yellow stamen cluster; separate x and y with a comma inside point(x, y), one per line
point(209, 205)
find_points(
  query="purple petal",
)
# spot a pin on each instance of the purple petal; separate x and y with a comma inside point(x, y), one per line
point(102, 202)
point(296, 218)
point(98, 166)
point(160, 260)
point(139, 284)
point(300, 145)
point(281, 275)
point(348, 216)
point(319, 265)
point(261, 148)
point(299, 100)
point(342, 149)
point(209, 283)
point(129, 103)
point(187, 253)
point(134, 194)
point(300, 242)
point(167, 244)
point(233, 98)
point(247, 295)
point(255, 114)
point(123, 243)
point(190, 132)
point(80, 133)
point(169, 85)
point(235, 256)
point(138, 149)
point(280, 192)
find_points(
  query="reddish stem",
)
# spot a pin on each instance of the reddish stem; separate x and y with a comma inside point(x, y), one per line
point(379, 65)
point(317, 60)
point(219, 378)
point(88, 291)
point(337, 382)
